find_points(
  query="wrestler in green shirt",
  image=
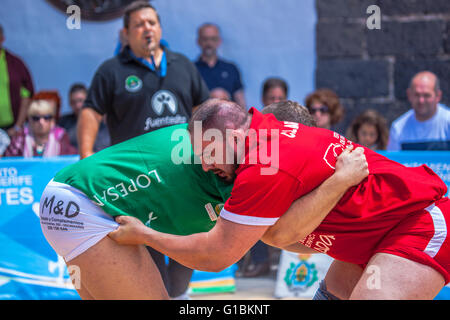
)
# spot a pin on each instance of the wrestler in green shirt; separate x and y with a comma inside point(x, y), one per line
point(154, 178)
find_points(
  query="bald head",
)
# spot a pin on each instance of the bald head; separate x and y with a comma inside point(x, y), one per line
point(426, 76)
point(217, 130)
point(219, 114)
point(424, 95)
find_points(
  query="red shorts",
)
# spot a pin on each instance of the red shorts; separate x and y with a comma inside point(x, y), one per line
point(423, 237)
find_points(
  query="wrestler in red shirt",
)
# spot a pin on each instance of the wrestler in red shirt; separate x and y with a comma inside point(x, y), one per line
point(361, 223)
point(395, 219)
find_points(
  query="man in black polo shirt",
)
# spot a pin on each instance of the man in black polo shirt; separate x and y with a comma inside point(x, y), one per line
point(144, 88)
point(217, 72)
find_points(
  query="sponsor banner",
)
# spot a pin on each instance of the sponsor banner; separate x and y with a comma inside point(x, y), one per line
point(29, 268)
point(438, 161)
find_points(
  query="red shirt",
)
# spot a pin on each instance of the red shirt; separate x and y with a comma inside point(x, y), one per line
point(301, 158)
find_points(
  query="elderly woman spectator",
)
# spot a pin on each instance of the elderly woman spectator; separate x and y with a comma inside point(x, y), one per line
point(325, 107)
point(40, 137)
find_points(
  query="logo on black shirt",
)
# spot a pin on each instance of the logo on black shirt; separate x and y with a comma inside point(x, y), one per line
point(133, 83)
point(164, 99)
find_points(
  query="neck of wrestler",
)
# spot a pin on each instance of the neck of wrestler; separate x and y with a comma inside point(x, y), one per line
point(245, 127)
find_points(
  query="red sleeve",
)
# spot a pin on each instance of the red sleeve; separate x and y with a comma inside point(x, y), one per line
point(258, 199)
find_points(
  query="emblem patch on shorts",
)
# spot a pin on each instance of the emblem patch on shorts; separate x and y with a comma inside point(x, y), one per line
point(133, 83)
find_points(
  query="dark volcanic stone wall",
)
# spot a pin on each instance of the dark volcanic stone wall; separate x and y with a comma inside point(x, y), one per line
point(372, 68)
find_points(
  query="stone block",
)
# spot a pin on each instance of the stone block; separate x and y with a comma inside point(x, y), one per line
point(343, 8)
point(447, 39)
point(406, 39)
point(339, 39)
point(352, 78)
point(413, 7)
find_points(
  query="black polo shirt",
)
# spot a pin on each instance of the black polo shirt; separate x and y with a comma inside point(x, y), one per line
point(137, 100)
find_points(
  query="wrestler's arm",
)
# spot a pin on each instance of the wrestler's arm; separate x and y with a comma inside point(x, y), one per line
point(306, 213)
point(212, 251)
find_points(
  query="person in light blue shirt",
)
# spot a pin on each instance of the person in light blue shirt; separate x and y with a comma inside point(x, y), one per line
point(427, 125)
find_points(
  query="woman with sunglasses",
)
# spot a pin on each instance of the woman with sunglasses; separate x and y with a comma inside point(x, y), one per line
point(325, 107)
point(40, 137)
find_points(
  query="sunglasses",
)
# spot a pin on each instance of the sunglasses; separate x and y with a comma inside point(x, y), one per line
point(322, 109)
point(47, 117)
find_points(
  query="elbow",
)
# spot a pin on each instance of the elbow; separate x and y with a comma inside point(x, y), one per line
point(217, 264)
point(275, 239)
point(216, 268)
point(280, 243)
point(282, 239)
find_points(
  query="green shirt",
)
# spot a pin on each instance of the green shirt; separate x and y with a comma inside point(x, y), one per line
point(143, 177)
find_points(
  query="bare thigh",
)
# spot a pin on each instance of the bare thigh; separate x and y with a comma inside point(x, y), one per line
point(341, 278)
point(389, 276)
point(108, 271)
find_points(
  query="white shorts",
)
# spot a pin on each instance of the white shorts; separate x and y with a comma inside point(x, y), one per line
point(71, 223)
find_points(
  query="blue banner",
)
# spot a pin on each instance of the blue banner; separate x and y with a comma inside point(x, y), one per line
point(29, 268)
point(438, 161)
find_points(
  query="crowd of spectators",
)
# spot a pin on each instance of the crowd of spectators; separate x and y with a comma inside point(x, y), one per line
point(106, 112)
point(97, 120)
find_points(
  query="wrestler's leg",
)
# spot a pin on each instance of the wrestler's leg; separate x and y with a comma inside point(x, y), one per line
point(341, 278)
point(112, 271)
point(389, 276)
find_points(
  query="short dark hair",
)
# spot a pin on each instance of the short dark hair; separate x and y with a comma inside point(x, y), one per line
point(290, 111)
point(136, 6)
point(330, 99)
point(270, 83)
point(77, 87)
point(373, 117)
point(208, 24)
